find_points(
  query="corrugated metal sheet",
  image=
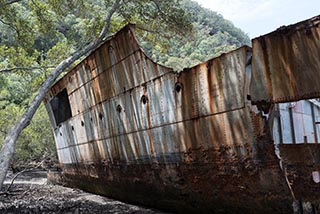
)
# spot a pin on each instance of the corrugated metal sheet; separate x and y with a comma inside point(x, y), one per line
point(104, 93)
point(131, 108)
point(140, 126)
point(143, 133)
point(285, 63)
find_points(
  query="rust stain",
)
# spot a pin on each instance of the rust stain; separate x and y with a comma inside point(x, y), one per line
point(285, 62)
point(189, 141)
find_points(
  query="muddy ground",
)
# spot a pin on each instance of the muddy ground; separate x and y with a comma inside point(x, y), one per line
point(30, 193)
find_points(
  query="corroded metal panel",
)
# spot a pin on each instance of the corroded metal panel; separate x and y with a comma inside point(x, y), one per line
point(150, 113)
point(285, 63)
point(211, 84)
point(143, 133)
point(301, 162)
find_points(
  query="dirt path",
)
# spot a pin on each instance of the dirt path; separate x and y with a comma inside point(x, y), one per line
point(33, 195)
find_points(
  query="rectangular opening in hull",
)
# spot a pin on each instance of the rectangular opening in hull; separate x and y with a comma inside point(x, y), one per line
point(60, 106)
point(296, 122)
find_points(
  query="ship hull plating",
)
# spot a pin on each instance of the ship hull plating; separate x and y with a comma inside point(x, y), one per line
point(211, 138)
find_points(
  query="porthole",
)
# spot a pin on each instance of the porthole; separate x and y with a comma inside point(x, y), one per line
point(119, 108)
point(144, 99)
point(82, 123)
point(178, 87)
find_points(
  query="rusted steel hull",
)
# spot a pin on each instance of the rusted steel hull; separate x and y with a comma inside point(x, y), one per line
point(302, 164)
point(285, 63)
point(233, 187)
point(129, 128)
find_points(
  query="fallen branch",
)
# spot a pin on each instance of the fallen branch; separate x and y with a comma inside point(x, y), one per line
point(19, 173)
point(26, 191)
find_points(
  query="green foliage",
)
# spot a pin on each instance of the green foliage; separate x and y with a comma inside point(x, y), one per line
point(210, 36)
point(16, 26)
point(36, 140)
point(9, 114)
point(157, 18)
point(38, 34)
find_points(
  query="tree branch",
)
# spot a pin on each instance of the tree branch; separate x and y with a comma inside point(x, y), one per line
point(8, 2)
point(4, 132)
point(115, 7)
point(158, 32)
point(10, 26)
point(162, 13)
point(8, 70)
point(23, 171)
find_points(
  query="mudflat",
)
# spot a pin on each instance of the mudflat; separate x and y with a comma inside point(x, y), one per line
point(30, 193)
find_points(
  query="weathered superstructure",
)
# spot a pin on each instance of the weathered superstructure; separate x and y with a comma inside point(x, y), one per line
point(211, 138)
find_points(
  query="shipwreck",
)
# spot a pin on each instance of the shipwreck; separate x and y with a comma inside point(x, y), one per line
point(235, 134)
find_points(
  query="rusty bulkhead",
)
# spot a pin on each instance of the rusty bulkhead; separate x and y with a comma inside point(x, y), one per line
point(132, 129)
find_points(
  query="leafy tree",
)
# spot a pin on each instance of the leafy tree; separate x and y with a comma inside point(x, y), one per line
point(212, 36)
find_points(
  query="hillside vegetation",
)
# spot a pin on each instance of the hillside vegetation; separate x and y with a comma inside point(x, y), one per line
point(212, 35)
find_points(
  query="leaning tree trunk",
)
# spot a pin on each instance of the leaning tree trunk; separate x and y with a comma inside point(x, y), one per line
point(7, 149)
